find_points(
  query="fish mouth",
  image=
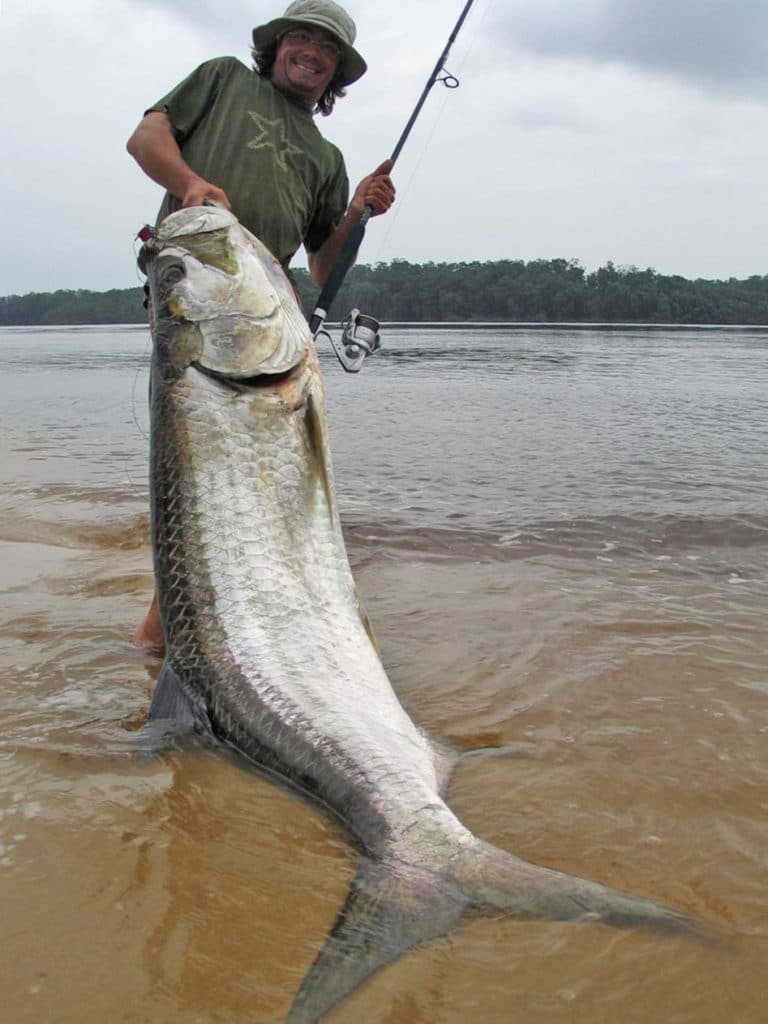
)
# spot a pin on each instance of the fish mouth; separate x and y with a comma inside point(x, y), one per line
point(257, 381)
point(295, 379)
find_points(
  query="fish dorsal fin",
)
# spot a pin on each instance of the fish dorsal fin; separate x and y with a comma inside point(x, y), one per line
point(391, 907)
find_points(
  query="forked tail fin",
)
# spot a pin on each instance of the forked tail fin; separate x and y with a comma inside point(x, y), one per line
point(392, 907)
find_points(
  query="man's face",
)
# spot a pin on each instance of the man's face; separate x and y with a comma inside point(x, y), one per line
point(305, 64)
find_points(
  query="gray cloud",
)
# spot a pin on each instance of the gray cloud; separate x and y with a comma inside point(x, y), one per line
point(214, 20)
point(199, 12)
point(722, 46)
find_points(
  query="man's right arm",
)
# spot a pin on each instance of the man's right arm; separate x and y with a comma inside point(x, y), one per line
point(154, 147)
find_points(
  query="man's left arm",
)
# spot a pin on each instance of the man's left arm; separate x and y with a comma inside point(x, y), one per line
point(377, 191)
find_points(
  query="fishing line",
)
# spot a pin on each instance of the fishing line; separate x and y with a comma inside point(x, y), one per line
point(137, 246)
point(407, 188)
point(139, 370)
point(139, 429)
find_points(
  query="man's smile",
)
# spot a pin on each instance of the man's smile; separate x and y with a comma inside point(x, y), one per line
point(310, 66)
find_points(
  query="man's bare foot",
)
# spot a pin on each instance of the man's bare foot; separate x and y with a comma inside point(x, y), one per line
point(149, 635)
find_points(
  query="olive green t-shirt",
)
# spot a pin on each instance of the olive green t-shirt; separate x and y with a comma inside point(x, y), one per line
point(286, 183)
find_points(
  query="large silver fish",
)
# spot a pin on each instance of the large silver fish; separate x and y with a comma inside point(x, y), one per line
point(268, 648)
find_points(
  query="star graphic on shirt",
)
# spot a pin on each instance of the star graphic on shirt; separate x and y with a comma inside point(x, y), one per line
point(271, 134)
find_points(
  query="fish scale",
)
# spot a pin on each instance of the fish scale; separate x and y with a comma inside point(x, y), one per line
point(278, 611)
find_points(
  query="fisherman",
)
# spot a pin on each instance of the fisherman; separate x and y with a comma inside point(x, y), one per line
point(246, 138)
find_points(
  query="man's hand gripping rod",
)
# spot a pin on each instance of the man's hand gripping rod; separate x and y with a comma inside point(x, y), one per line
point(360, 333)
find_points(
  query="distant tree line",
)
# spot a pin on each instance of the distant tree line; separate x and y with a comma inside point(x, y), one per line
point(118, 306)
point(552, 291)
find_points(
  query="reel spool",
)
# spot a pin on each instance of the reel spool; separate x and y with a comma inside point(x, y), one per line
point(359, 338)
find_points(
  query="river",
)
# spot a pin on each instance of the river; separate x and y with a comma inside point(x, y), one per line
point(561, 536)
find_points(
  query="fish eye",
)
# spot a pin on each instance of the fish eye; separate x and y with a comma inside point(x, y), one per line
point(173, 274)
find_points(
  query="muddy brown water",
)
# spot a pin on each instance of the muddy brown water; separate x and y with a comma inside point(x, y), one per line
point(588, 586)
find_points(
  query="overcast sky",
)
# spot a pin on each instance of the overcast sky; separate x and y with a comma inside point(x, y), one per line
point(626, 130)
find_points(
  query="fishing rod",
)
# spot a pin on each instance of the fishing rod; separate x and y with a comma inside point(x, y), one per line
point(360, 333)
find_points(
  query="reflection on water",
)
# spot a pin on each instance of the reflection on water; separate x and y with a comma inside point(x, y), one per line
point(566, 550)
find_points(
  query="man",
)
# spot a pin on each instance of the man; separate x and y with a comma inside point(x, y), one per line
point(246, 138)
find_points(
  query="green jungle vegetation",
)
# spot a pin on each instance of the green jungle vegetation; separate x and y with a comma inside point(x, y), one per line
point(538, 291)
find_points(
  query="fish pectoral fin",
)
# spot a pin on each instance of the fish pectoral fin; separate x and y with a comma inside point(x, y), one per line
point(519, 749)
point(367, 624)
point(391, 907)
point(173, 713)
point(452, 756)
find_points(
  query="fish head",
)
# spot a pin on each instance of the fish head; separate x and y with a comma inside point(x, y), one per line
point(221, 301)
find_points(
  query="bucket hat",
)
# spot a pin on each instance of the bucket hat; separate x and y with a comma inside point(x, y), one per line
point(319, 14)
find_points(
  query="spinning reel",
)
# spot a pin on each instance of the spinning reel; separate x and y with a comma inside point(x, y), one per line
point(359, 338)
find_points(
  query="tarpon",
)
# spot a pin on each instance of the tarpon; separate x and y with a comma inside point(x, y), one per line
point(268, 648)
